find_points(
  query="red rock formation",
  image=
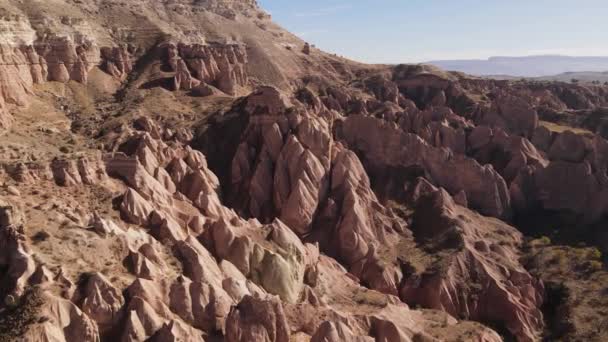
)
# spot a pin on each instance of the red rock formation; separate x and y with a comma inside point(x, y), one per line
point(383, 144)
point(220, 66)
point(116, 61)
point(325, 214)
point(504, 291)
point(257, 320)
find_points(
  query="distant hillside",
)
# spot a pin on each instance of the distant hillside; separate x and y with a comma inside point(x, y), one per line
point(530, 66)
point(586, 76)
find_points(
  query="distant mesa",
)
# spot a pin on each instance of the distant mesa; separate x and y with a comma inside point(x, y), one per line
point(527, 66)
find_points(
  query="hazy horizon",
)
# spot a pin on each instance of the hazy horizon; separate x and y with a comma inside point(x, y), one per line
point(392, 31)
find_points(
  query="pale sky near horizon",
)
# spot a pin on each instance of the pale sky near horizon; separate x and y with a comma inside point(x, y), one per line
point(396, 31)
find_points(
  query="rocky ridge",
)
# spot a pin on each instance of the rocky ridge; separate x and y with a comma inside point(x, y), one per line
point(323, 204)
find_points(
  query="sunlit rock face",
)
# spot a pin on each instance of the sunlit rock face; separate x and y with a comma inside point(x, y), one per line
point(189, 171)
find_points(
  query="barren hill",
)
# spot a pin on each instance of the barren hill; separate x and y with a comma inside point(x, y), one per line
point(190, 171)
point(526, 66)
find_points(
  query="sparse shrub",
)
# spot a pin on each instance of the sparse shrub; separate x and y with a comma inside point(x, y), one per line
point(594, 254)
point(559, 258)
point(545, 240)
point(594, 265)
point(41, 236)
point(15, 320)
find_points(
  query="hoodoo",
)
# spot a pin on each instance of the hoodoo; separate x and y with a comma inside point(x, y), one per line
point(191, 171)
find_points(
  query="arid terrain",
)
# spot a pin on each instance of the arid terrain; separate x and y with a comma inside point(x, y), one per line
point(187, 170)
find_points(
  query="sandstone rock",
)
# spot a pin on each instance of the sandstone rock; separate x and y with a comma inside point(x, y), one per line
point(142, 267)
point(13, 190)
point(228, 246)
point(306, 49)
point(65, 172)
point(514, 294)
point(42, 276)
point(65, 323)
point(480, 137)
point(570, 186)
point(354, 162)
point(135, 208)
point(204, 90)
point(202, 305)
point(277, 274)
point(147, 319)
point(176, 331)
point(569, 147)
point(15, 257)
point(542, 138)
point(146, 124)
point(134, 329)
point(267, 101)
point(257, 320)
point(198, 263)
point(335, 332)
point(102, 301)
point(116, 61)
point(513, 114)
point(485, 189)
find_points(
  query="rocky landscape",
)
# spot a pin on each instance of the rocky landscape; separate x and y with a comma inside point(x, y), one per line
point(190, 171)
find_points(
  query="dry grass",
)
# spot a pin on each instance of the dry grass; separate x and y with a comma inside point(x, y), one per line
point(553, 127)
point(14, 321)
point(579, 314)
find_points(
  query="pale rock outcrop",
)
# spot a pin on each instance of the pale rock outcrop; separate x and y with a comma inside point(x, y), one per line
point(133, 329)
point(29, 172)
point(229, 246)
point(267, 101)
point(80, 171)
point(65, 322)
point(135, 209)
point(277, 274)
point(279, 270)
point(102, 302)
point(141, 315)
point(142, 267)
point(177, 331)
point(65, 172)
point(218, 65)
point(15, 256)
point(198, 263)
point(337, 332)
point(202, 305)
point(116, 61)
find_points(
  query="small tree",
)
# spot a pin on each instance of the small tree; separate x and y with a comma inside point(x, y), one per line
point(574, 81)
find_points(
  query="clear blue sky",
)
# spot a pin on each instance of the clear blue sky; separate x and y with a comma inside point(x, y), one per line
point(392, 31)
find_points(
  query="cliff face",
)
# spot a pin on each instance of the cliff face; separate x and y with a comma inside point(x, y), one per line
point(187, 170)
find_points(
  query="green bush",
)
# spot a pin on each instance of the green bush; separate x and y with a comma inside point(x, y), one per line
point(595, 254)
point(545, 240)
